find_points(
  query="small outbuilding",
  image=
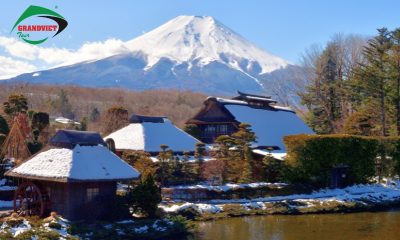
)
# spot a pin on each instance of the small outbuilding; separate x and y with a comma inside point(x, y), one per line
point(147, 134)
point(75, 176)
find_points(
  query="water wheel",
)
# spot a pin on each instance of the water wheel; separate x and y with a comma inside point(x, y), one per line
point(30, 200)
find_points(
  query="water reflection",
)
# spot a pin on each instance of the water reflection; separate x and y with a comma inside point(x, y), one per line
point(378, 225)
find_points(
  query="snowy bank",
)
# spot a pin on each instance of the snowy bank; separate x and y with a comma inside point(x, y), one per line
point(231, 186)
point(363, 195)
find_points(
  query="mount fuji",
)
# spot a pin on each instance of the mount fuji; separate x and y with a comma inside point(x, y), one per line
point(195, 53)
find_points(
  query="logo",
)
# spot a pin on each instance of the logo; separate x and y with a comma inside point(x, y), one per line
point(37, 24)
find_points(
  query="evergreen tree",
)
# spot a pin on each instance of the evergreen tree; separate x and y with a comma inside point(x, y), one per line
point(272, 169)
point(84, 123)
point(4, 129)
point(372, 77)
point(188, 169)
point(394, 65)
point(94, 115)
point(243, 140)
point(223, 152)
point(15, 104)
point(175, 168)
point(40, 120)
point(141, 161)
point(163, 172)
point(192, 130)
point(146, 197)
point(199, 153)
point(63, 106)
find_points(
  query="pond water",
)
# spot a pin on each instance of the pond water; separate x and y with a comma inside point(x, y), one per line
point(354, 226)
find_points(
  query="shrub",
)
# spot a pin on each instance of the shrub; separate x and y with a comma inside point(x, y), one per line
point(55, 225)
point(5, 234)
point(146, 197)
point(311, 157)
point(234, 210)
point(4, 129)
point(40, 121)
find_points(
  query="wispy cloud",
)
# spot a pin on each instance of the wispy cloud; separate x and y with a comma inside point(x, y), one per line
point(10, 67)
point(30, 56)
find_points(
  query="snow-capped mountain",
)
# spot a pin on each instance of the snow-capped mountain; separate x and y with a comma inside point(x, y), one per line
point(204, 40)
point(188, 52)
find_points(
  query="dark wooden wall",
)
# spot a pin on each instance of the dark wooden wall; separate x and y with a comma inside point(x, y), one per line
point(69, 199)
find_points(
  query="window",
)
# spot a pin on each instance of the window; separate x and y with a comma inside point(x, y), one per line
point(223, 129)
point(210, 130)
point(91, 194)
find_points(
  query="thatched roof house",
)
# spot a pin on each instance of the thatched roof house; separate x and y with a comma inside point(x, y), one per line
point(270, 122)
point(75, 176)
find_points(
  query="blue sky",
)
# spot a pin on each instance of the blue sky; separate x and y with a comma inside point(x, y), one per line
point(284, 28)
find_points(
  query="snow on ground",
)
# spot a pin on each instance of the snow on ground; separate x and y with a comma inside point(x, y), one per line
point(23, 227)
point(231, 186)
point(80, 163)
point(389, 191)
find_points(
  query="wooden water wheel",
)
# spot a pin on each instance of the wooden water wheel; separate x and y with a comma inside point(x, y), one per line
point(30, 200)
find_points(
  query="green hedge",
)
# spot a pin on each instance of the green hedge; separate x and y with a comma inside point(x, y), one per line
point(311, 157)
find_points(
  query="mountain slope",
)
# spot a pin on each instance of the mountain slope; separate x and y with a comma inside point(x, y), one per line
point(188, 52)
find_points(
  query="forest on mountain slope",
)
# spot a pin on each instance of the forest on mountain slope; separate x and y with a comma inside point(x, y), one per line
point(76, 102)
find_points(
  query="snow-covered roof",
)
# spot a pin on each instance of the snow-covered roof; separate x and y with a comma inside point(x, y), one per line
point(270, 123)
point(64, 120)
point(82, 163)
point(276, 155)
point(148, 136)
point(70, 138)
point(270, 126)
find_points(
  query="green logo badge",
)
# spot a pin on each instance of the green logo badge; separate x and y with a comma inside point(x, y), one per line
point(30, 26)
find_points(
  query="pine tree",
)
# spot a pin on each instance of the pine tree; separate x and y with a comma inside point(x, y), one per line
point(163, 172)
point(373, 78)
point(15, 104)
point(141, 161)
point(222, 152)
point(94, 115)
point(63, 106)
point(199, 153)
point(146, 197)
point(394, 64)
point(188, 169)
point(40, 120)
point(243, 140)
point(192, 130)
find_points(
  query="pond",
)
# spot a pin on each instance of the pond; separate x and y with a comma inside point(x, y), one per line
point(369, 225)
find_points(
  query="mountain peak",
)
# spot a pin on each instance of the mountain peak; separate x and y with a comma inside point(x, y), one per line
point(203, 39)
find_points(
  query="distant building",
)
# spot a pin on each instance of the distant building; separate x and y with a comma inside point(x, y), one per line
point(66, 121)
point(76, 176)
point(220, 116)
point(149, 133)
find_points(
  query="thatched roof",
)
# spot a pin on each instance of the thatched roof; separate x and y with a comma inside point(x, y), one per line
point(79, 164)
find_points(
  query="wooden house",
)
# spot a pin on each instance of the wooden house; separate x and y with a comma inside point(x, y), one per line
point(270, 122)
point(75, 176)
point(145, 133)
